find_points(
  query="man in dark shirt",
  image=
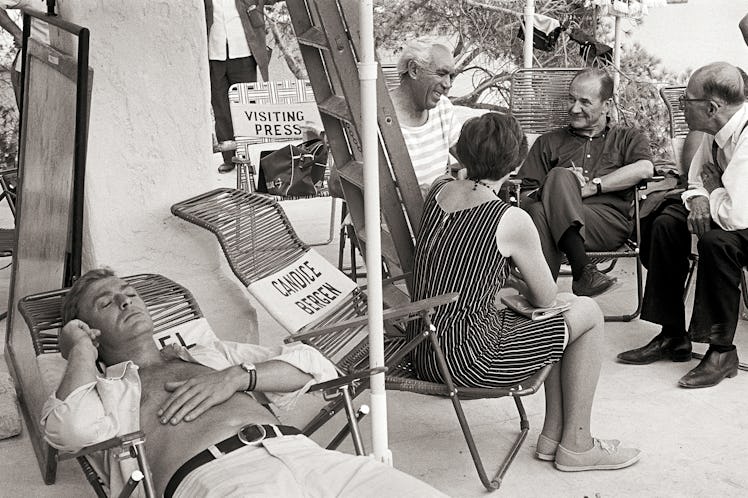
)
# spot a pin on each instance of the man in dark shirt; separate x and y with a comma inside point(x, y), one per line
point(580, 179)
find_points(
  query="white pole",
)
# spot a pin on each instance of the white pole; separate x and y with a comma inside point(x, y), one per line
point(529, 32)
point(367, 74)
point(616, 63)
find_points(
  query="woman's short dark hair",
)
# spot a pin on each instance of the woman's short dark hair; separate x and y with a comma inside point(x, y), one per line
point(71, 303)
point(491, 146)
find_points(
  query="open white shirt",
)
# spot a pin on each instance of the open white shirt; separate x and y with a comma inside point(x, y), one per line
point(227, 39)
point(728, 205)
point(110, 406)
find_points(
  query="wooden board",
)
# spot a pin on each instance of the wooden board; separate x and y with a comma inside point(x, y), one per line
point(44, 210)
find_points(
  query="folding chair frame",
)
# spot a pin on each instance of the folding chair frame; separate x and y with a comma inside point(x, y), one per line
point(170, 305)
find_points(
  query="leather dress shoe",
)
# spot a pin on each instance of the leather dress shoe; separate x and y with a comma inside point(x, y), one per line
point(659, 348)
point(712, 369)
point(226, 167)
point(592, 282)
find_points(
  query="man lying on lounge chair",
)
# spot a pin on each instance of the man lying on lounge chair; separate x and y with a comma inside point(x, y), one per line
point(194, 407)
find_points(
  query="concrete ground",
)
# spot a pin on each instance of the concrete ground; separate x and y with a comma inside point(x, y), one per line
point(693, 441)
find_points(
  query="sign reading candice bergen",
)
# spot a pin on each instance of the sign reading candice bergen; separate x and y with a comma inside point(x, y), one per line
point(303, 291)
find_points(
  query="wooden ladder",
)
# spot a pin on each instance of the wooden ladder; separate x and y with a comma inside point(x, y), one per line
point(328, 36)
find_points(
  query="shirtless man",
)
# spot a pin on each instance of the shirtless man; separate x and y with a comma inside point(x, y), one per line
point(190, 401)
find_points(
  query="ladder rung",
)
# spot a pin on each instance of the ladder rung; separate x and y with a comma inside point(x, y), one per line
point(314, 37)
point(389, 253)
point(337, 107)
point(353, 172)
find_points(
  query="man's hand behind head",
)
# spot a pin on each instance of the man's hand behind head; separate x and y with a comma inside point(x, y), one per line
point(76, 334)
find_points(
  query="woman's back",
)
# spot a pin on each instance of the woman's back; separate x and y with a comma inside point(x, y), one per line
point(457, 252)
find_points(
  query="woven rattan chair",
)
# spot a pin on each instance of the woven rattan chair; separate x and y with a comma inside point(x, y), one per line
point(293, 96)
point(678, 130)
point(232, 215)
point(538, 101)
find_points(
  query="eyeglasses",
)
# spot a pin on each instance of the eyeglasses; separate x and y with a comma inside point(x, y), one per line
point(683, 99)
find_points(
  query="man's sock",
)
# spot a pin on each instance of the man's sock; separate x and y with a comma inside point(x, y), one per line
point(672, 331)
point(721, 348)
point(572, 244)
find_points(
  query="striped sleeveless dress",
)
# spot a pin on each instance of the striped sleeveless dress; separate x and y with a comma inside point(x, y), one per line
point(484, 346)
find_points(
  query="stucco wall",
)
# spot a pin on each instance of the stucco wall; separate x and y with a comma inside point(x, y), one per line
point(149, 146)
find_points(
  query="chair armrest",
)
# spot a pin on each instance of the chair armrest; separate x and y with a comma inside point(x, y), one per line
point(347, 379)
point(389, 280)
point(643, 183)
point(132, 437)
point(388, 315)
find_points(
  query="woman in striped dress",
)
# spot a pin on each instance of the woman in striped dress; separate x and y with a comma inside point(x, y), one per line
point(466, 240)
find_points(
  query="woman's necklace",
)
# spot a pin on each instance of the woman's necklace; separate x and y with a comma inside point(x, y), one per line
point(490, 187)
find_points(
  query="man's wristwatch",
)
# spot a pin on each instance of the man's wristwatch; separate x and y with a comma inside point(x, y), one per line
point(252, 371)
point(598, 183)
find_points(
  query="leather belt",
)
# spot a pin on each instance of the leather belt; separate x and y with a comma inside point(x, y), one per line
point(249, 435)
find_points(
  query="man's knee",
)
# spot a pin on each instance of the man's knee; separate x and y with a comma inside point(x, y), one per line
point(668, 222)
point(716, 243)
point(560, 178)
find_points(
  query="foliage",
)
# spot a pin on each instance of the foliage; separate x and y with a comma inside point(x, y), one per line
point(639, 100)
point(487, 50)
point(8, 135)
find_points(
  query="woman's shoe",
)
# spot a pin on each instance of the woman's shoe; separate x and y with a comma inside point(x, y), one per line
point(546, 449)
point(604, 455)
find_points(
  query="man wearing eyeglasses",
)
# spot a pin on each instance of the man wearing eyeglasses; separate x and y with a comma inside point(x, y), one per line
point(424, 112)
point(715, 209)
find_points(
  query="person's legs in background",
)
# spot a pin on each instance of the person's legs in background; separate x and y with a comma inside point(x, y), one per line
point(223, 74)
point(722, 255)
point(665, 252)
point(566, 224)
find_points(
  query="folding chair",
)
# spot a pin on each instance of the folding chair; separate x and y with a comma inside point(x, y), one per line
point(237, 218)
point(168, 303)
point(171, 307)
point(269, 113)
point(678, 129)
point(538, 101)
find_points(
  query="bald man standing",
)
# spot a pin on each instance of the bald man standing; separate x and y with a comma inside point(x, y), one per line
point(715, 209)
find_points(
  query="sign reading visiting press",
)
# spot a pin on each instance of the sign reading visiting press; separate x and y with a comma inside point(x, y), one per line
point(273, 110)
point(274, 121)
point(302, 292)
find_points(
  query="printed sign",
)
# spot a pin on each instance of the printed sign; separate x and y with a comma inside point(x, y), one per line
point(276, 121)
point(303, 291)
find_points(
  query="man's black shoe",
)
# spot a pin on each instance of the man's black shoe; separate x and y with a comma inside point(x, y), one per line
point(592, 282)
point(659, 348)
point(226, 167)
point(712, 369)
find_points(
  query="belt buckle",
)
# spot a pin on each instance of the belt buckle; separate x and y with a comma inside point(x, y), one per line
point(241, 434)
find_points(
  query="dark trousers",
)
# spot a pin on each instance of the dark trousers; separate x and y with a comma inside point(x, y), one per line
point(666, 244)
point(223, 74)
point(560, 206)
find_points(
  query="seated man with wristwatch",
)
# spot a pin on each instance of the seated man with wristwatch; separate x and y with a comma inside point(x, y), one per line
point(206, 433)
point(579, 180)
